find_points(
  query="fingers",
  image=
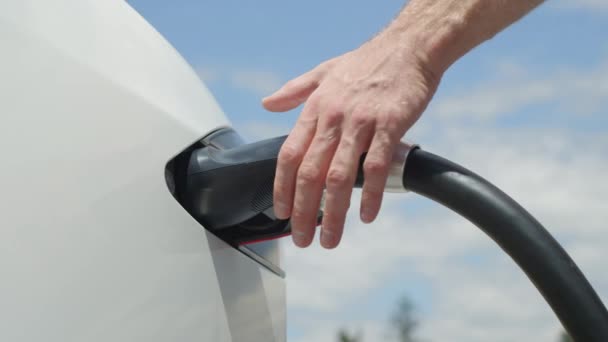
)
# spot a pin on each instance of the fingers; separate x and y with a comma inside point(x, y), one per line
point(375, 170)
point(324, 150)
point(354, 103)
point(341, 177)
point(311, 178)
point(289, 159)
point(293, 93)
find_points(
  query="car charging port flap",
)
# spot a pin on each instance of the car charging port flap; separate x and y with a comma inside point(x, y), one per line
point(230, 191)
point(227, 186)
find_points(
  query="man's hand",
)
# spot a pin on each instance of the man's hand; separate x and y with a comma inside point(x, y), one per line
point(366, 100)
point(362, 101)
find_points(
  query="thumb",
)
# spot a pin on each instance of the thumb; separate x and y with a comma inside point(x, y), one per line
point(293, 93)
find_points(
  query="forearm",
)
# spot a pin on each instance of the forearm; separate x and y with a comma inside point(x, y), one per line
point(442, 31)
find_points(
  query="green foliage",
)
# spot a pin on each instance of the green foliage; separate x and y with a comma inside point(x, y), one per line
point(345, 336)
point(403, 324)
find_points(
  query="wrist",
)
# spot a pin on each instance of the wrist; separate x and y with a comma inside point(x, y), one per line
point(439, 35)
point(436, 45)
point(441, 32)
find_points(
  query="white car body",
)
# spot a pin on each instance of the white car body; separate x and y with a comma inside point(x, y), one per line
point(93, 247)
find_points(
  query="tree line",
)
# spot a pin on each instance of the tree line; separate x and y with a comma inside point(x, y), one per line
point(403, 324)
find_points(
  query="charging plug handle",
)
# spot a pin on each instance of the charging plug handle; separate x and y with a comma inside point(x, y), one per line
point(231, 191)
point(226, 187)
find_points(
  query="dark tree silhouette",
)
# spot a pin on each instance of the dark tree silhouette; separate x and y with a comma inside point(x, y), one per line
point(345, 336)
point(403, 321)
point(403, 325)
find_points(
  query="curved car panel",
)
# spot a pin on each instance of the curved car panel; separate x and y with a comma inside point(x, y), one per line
point(93, 247)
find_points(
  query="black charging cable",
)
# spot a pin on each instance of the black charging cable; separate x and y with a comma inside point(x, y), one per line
point(230, 192)
point(521, 236)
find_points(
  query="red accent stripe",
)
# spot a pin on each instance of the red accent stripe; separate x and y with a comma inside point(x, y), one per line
point(264, 239)
point(269, 238)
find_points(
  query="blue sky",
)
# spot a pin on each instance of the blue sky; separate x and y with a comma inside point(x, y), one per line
point(527, 110)
point(286, 39)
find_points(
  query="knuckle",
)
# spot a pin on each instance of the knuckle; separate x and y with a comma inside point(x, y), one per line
point(289, 154)
point(391, 120)
point(308, 175)
point(382, 153)
point(394, 119)
point(298, 215)
point(328, 137)
point(375, 167)
point(384, 138)
point(337, 178)
point(361, 119)
point(334, 116)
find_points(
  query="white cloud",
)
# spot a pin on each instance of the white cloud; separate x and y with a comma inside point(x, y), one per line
point(263, 130)
point(557, 174)
point(496, 302)
point(558, 182)
point(383, 246)
point(259, 82)
point(583, 91)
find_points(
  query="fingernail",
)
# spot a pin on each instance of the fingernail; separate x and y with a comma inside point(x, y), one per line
point(366, 216)
point(327, 239)
point(299, 239)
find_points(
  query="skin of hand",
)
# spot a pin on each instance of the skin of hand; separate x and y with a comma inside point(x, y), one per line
point(362, 101)
point(365, 101)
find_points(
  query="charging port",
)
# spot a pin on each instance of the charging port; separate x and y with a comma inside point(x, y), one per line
point(230, 194)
